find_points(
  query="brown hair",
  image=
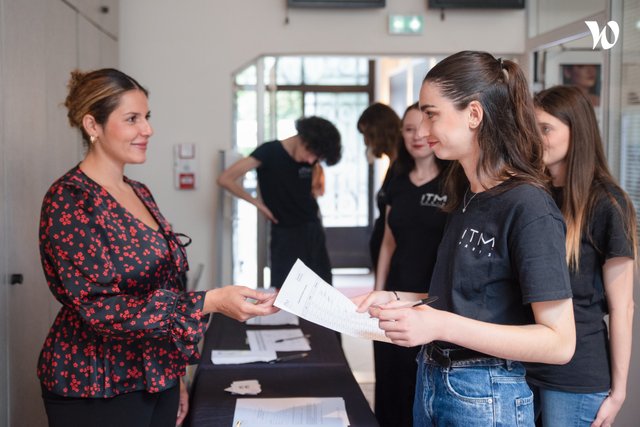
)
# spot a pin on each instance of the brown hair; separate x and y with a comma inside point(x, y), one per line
point(588, 179)
point(508, 137)
point(382, 127)
point(96, 93)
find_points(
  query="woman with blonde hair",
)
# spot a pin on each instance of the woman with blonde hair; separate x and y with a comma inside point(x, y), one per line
point(413, 229)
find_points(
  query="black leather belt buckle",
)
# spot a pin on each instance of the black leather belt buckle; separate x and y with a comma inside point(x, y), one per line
point(437, 355)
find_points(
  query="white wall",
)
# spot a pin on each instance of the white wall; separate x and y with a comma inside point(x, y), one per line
point(186, 53)
point(554, 14)
point(41, 41)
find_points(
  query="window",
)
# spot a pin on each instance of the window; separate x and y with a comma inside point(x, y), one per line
point(336, 88)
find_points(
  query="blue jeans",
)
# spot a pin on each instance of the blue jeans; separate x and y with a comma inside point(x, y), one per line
point(565, 409)
point(472, 393)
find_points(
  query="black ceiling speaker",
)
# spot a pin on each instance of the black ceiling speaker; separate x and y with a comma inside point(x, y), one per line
point(475, 4)
point(336, 4)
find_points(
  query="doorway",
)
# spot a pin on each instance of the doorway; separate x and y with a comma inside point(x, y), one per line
point(335, 88)
point(269, 95)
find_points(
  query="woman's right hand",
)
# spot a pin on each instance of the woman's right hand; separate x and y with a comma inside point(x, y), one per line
point(375, 298)
point(239, 302)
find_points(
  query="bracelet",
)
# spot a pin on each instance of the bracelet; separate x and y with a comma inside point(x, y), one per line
point(396, 294)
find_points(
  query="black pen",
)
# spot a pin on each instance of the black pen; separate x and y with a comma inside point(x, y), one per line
point(425, 301)
point(292, 338)
point(290, 357)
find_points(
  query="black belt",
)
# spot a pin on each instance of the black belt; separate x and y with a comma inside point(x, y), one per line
point(445, 357)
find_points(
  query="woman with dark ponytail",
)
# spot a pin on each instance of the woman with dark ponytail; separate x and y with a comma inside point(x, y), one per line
point(501, 281)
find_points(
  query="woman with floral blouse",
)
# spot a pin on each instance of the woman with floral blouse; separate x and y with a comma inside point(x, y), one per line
point(127, 328)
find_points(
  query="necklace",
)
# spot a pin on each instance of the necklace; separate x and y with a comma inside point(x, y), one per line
point(465, 204)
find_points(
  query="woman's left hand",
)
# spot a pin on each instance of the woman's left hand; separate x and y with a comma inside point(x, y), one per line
point(183, 405)
point(407, 326)
point(607, 413)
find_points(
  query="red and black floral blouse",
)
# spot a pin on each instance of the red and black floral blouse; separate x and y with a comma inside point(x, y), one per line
point(126, 323)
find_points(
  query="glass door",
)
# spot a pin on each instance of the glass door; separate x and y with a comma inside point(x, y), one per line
point(269, 96)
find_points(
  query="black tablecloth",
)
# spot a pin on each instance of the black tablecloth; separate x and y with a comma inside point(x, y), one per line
point(324, 373)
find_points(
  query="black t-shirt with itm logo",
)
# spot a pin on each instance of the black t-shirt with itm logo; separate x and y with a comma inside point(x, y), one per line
point(285, 185)
point(605, 237)
point(504, 253)
point(417, 222)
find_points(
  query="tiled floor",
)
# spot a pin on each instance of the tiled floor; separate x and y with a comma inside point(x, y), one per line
point(359, 352)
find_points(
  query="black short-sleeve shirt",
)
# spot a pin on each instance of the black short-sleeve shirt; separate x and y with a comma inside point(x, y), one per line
point(417, 222)
point(506, 251)
point(377, 232)
point(285, 185)
point(605, 237)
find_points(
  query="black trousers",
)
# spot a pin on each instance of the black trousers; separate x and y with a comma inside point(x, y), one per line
point(396, 369)
point(307, 242)
point(137, 409)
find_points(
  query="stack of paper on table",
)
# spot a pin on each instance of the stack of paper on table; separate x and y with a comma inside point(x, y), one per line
point(280, 318)
point(278, 340)
point(291, 412)
point(234, 357)
point(305, 294)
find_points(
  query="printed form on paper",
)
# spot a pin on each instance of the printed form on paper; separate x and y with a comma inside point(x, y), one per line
point(305, 294)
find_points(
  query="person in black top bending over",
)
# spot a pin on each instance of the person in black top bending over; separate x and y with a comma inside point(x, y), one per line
point(285, 170)
point(501, 279)
point(380, 126)
point(126, 330)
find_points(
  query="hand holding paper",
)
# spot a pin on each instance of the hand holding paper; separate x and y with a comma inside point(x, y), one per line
point(305, 294)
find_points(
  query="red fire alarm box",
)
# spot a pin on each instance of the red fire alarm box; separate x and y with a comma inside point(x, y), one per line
point(184, 166)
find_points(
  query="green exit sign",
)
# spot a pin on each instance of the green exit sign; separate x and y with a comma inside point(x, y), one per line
point(406, 24)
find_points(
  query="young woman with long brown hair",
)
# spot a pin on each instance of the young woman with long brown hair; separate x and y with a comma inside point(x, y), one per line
point(601, 248)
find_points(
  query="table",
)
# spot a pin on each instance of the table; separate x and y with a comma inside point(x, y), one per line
point(324, 373)
point(228, 334)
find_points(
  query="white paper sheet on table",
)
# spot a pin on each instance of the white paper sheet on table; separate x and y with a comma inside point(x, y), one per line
point(294, 340)
point(291, 412)
point(305, 294)
point(280, 318)
point(236, 357)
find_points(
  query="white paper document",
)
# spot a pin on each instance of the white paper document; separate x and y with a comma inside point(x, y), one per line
point(280, 318)
point(291, 412)
point(305, 294)
point(235, 357)
point(278, 340)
